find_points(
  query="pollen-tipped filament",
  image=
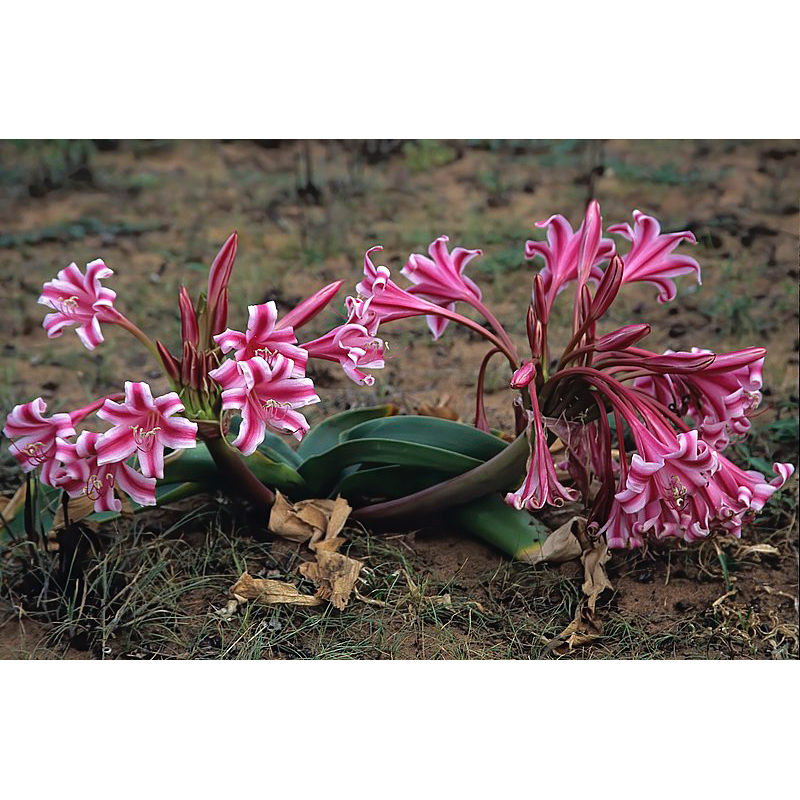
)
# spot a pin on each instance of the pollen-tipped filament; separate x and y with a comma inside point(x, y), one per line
point(96, 486)
point(35, 453)
point(270, 407)
point(677, 492)
point(265, 353)
point(144, 439)
point(69, 305)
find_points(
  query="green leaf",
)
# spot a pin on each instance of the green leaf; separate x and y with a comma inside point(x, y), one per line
point(516, 533)
point(194, 465)
point(276, 448)
point(322, 471)
point(389, 482)
point(273, 474)
point(198, 466)
point(326, 434)
point(443, 433)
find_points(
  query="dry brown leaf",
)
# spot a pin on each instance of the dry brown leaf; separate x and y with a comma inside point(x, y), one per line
point(264, 590)
point(331, 545)
point(583, 629)
point(561, 545)
point(79, 508)
point(10, 507)
point(594, 559)
point(441, 409)
point(339, 514)
point(308, 520)
point(758, 549)
point(334, 574)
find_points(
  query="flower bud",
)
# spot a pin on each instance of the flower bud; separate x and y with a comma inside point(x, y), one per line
point(171, 364)
point(524, 375)
point(189, 330)
point(310, 307)
point(622, 337)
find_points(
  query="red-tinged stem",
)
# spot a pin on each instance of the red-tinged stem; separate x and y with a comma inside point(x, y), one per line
point(495, 323)
point(240, 480)
point(496, 474)
point(509, 353)
point(135, 330)
point(480, 410)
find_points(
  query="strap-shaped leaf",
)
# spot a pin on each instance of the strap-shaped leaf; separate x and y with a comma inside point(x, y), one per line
point(443, 433)
point(387, 482)
point(326, 434)
point(197, 466)
point(323, 471)
point(276, 448)
point(517, 533)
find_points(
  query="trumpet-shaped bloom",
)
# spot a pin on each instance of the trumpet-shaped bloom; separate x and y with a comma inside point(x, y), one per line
point(661, 484)
point(541, 484)
point(36, 437)
point(440, 279)
point(264, 338)
point(718, 398)
point(650, 258)
point(265, 394)
point(354, 345)
point(384, 297)
point(563, 253)
point(80, 300)
point(101, 481)
point(145, 426)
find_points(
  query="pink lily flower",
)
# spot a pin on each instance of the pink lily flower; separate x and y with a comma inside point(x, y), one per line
point(145, 426)
point(729, 500)
point(650, 258)
point(750, 488)
point(36, 438)
point(440, 279)
point(264, 394)
point(80, 300)
point(718, 398)
point(354, 345)
point(661, 488)
point(665, 472)
point(86, 474)
point(541, 484)
point(384, 297)
point(264, 338)
point(565, 251)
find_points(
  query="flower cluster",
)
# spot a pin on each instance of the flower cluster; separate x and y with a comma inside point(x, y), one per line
point(643, 433)
point(680, 410)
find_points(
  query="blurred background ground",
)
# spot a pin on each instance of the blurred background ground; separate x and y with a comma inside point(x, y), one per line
point(157, 211)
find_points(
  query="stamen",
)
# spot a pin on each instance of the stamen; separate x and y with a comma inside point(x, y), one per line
point(68, 306)
point(35, 453)
point(144, 439)
point(265, 353)
point(95, 487)
point(678, 491)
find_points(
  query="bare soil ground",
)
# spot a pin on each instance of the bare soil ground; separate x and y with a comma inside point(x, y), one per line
point(305, 212)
